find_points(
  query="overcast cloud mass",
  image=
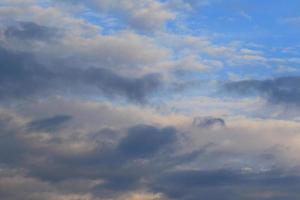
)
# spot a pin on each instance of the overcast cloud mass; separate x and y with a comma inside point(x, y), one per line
point(149, 100)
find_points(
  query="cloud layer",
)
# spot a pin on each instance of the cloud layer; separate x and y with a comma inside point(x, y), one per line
point(148, 100)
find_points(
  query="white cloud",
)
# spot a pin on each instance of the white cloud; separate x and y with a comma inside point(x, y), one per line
point(245, 15)
point(291, 20)
point(285, 69)
point(145, 15)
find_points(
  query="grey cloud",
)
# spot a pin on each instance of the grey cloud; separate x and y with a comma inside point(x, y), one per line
point(282, 90)
point(12, 147)
point(22, 76)
point(16, 185)
point(12, 144)
point(145, 157)
point(145, 141)
point(49, 124)
point(30, 31)
point(208, 122)
point(141, 141)
point(110, 162)
point(115, 164)
point(136, 89)
point(227, 184)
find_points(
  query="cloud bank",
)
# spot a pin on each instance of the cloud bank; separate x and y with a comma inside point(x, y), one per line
point(121, 100)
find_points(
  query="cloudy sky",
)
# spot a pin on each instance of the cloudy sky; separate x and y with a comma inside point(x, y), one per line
point(149, 100)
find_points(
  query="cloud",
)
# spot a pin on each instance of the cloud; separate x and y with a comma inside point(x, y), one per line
point(136, 89)
point(190, 4)
point(11, 141)
point(14, 184)
point(177, 162)
point(208, 122)
point(78, 119)
point(291, 20)
point(145, 15)
point(22, 76)
point(142, 196)
point(285, 69)
point(145, 141)
point(49, 124)
point(245, 15)
point(226, 184)
point(30, 31)
point(281, 90)
point(50, 158)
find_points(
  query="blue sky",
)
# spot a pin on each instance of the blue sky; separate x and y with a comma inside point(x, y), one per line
point(259, 25)
point(149, 99)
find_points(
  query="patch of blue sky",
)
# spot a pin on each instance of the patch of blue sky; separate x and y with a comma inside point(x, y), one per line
point(259, 25)
point(252, 21)
point(108, 24)
point(45, 3)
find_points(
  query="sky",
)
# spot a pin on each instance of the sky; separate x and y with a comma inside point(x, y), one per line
point(149, 99)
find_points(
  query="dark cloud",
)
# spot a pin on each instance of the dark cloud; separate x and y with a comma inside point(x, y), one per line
point(117, 165)
point(283, 90)
point(30, 31)
point(12, 147)
point(136, 89)
point(111, 162)
point(22, 76)
point(49, 124)
point(227, 184)
point(208, 122)
point(142, 158)
point(105, 161)
point(144, 141)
